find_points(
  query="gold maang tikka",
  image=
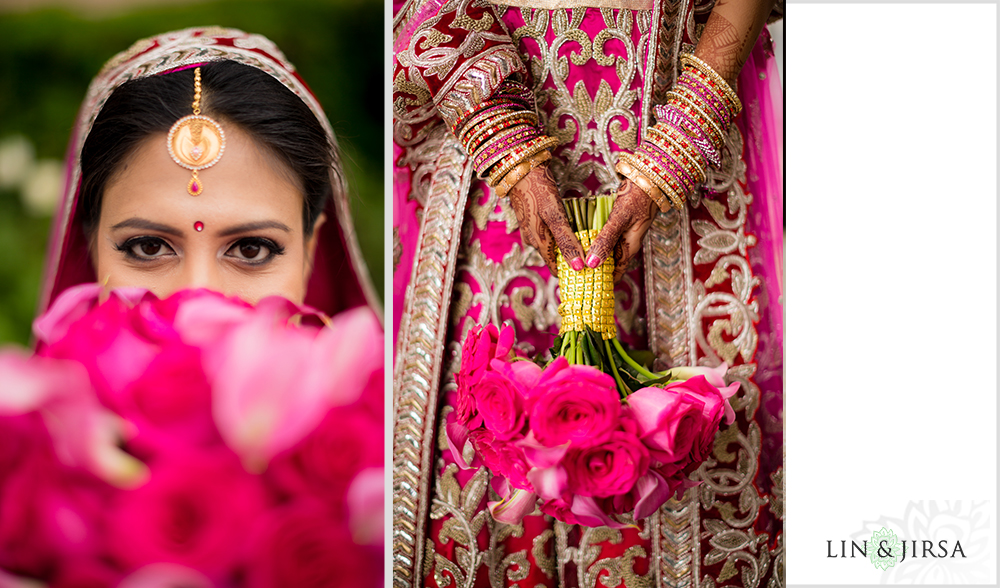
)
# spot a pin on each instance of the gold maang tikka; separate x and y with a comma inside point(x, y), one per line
point(196, 142)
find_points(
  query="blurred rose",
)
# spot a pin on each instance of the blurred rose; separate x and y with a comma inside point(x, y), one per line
point(300, 545)
point(273, 383)
point(17, 158)
point(41, 188)
point(85, 573)
point(172, 403)
point(366, 507)
point(196, 510)
point(82, 432)
point(106, 342)
point(162, 575)
point(348, 440)
point(47, 513)
point(609, 468)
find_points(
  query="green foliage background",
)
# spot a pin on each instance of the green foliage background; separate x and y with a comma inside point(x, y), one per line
point(48, 57)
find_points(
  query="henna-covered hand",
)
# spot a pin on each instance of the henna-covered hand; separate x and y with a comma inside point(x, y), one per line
point(730, 33)
point(630, 218)
point(540, 214)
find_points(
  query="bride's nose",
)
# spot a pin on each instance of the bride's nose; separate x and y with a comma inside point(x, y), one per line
point(200, 271)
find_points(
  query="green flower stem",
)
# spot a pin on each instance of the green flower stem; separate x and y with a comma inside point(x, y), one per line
point(568, 208)
point(628, 359)
point(622, 389)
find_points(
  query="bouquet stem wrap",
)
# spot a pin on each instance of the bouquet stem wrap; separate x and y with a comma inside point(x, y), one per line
point(587, 296)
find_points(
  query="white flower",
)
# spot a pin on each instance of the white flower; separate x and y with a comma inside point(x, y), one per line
point(17, 157)
point(40, 190)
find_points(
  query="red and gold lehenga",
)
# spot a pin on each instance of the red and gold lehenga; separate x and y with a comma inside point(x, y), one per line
point(706, 289)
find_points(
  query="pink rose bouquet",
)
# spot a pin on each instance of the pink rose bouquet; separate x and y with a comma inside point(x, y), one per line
point(196, 440)
point(594, 433)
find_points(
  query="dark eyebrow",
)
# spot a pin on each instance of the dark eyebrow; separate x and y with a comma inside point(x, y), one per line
point(141, 223)
point(257, 226)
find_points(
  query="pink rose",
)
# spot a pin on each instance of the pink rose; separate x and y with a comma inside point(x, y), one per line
point(110, 346)
point(503, 458)
point(196, 510)
point(48, 513)
point(83, 432)
point(300, 545)
point(500, 405)
point(165, 575)
point(577, 404)
point(481, 345)
point(609, 468)
point(670, 423)
point(272, 382)
point(715, 378)
point(348, 440)
point(366, 507)
point(561, 510)
point(88, 572)
point(172, 402)
point(715, 404)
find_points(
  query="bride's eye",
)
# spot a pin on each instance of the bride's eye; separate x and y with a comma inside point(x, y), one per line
point(145, 248)
point(254, 250)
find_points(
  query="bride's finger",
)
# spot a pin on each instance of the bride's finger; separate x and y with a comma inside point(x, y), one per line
point(618, 221)
point(555, 220)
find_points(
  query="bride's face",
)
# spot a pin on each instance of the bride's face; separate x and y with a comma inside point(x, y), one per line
point(242, 236)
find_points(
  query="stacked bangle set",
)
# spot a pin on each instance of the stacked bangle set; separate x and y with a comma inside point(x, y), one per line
point(503, 138)
point(689, 134)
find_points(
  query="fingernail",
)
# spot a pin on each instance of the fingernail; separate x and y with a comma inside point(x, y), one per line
point(593, 261)
point(576, 263)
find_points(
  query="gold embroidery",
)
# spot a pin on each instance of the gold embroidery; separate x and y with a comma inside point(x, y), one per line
point(420, 358)
point(778, 492)
point(397, 249)
point(543, 550)
point(584, 126)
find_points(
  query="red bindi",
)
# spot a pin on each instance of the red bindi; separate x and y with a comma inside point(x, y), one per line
point(198, 226)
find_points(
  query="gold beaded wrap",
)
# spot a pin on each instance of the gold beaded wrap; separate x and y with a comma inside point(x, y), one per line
point(587, 297)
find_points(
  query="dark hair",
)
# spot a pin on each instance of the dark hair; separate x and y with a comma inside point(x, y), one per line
point(232, 93)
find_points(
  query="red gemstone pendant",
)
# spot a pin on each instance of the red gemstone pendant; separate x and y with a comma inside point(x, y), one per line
point(194, 186)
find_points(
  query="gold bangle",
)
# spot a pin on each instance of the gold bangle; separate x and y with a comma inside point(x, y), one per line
point(695, 165)
point(519, 154)
point(664, 185)
point(687, 103)
point(520, 171)
point(493, 126)
point(644, 184)
point(632, 160)
point(727, 90)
